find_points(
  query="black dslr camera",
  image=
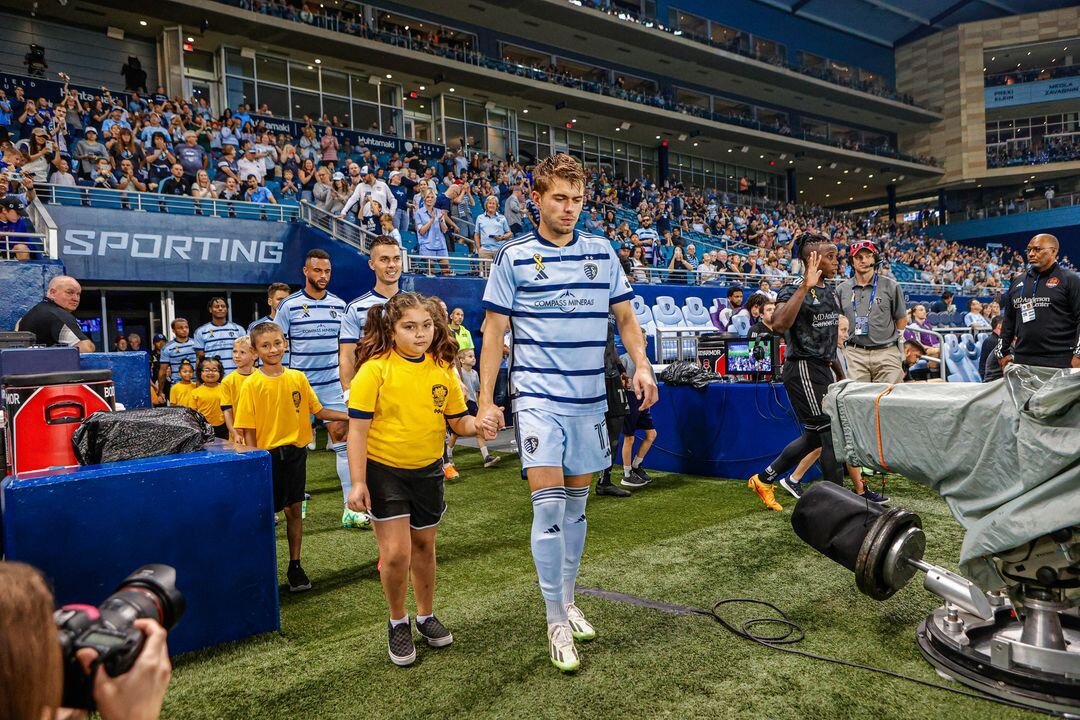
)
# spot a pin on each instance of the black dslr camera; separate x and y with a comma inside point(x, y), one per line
point(149, 592)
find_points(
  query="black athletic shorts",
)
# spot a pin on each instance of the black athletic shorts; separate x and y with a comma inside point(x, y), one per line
point(416, 494)
point(288, 465)
point(806, 382)
point(636, 419)
point(221, 431)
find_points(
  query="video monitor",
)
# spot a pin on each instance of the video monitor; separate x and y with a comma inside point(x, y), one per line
point(750, 357)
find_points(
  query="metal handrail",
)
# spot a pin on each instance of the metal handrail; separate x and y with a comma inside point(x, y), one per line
point(941, 345)
point(1035, 204)
point(108, 198)
point(34, 242)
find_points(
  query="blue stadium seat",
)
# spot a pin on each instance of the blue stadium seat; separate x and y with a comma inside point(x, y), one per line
point(641, 311)
point(667, 314)
point(740, 324)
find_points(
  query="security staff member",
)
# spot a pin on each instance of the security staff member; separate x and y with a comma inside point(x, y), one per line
point(1042, 311)
point(51, 320)
point(874, 307)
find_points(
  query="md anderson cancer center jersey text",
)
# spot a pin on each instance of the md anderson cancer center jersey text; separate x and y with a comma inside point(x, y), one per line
point(557, 299)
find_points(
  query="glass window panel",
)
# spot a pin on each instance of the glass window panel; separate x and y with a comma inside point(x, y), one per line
point(588, 142)
point(453, 107)
point(304, 103)
point(476, 136)
point(237, 65)
point(239, 91)
point(362, 89)
point(364, 116)
point(199, 60)
point(559, 136)
point(335, 83)
point(391, 120)
point(304, 77)
point(389, 95)
point(270, 69)
point(474, 112)
point(337, 110)
point(276, 98)
point(455, 134)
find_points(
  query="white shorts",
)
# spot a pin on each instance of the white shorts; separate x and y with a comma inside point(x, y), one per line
point(331, 396)
point(577, 444)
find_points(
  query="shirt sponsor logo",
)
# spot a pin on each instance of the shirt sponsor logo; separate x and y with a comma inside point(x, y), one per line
point(1052, 282)
point(567, 302)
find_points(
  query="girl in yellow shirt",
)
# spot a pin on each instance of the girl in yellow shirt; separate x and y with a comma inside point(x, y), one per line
point(208, 395)
point(180, 393)
point(404, 392)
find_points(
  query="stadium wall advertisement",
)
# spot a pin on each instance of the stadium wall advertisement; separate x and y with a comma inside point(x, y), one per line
point(373, 141)
point(98, 245)
point(1033, 92)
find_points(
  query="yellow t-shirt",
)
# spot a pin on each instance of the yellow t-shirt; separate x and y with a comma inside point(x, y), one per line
point(207, 400)
point(278, 409)
point(180, 394)
point(408, 402)
point(230, 388)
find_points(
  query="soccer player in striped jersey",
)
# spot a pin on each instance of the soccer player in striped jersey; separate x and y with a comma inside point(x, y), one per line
point(553, 289)
point(215, 338)
point(384, 258)
point(175, 352)
point(311, 320)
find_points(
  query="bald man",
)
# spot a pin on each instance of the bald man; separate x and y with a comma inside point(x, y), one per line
point(52, 321)
point(1041, 311)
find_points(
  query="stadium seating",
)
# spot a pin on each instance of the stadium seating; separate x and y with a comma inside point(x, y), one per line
point(694, 312)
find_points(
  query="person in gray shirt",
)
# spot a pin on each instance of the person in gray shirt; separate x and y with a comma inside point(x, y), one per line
point(874, 306)
point(514, 211)
point(87, 151)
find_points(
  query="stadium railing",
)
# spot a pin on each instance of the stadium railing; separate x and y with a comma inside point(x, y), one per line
point(1035, 204)
point(169, 204)
point(35, 244)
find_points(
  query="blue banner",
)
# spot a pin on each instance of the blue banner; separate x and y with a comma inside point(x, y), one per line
point(123, 246)
point(52, 90)
point(1033, 92)
point(373, 141)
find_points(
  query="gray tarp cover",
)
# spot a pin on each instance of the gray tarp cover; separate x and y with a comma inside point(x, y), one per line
point(1005, 455)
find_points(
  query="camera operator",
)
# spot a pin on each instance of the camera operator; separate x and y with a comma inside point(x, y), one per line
point(31, 668)
point(1042, 311)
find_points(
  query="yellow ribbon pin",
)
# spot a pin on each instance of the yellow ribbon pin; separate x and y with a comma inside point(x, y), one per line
point(539, 261)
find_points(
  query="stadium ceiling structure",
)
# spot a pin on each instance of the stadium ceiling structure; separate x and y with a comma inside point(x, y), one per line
point(896, 22)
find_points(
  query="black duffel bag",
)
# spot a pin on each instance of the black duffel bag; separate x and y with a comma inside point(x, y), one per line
point(132, 434)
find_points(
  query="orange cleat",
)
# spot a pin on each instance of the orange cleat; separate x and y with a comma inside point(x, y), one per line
point(450, 472)
point(765, 492)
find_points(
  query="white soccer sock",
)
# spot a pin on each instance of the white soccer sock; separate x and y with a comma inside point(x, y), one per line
point(549, 549)
point(342, 462)
point(484, 452)
point(626, 471)
point(574, 528)
point(638, 460)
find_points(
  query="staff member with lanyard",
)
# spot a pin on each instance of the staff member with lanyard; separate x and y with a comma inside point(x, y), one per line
point(1042, 311)
point(874, 306)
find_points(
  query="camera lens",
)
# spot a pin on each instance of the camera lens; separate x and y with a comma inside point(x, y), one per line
point(149, 592)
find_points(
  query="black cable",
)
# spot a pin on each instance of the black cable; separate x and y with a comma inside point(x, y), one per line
point(796, 634)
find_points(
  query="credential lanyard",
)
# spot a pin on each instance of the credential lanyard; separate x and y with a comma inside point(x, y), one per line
point(873, 294)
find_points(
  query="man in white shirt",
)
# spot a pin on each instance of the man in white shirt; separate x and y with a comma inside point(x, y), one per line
point(251, 164)
point(370, 187)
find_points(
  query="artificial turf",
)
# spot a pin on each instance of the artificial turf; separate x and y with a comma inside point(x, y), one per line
point(684, 540)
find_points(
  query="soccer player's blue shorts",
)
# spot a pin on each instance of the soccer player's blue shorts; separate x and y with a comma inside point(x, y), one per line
point(331, 396)
point(577, 444)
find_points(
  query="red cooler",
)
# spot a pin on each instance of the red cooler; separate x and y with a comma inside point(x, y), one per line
point(42, 411)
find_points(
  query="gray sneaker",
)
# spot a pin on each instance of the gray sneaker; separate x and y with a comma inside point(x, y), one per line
point(434, 632)
point(399, 643)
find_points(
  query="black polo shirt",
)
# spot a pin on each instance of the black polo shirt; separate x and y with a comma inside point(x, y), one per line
point(51, 325)
point(1050, 338)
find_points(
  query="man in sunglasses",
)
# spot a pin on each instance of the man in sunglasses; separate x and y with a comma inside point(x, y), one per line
point(1042, 311)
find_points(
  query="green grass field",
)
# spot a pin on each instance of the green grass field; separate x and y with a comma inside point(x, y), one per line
point(683, 540)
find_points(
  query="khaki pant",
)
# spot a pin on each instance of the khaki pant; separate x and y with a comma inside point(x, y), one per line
point(880, 365)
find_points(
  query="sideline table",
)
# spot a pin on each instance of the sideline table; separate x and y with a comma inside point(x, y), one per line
point(727, 430)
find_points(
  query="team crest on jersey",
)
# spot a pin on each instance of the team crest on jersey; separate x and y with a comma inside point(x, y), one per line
point(333, 314)
point(1052, 282)
point(540, 274)
point(438, 397)
point(304, 310)
point(531, 444)
point(296, 399)
point(591, 270)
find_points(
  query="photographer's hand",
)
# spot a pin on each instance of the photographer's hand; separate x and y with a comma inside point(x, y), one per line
point(138, 693)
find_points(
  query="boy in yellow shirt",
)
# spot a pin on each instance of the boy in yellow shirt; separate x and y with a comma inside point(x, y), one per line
point(273, 413)
point(243, 356)
point(180, 393)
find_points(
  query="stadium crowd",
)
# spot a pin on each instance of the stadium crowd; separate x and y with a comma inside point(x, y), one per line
point(671, 232)
point(1051, 150)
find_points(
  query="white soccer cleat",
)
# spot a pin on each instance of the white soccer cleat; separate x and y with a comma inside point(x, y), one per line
point(564, 654)
point(579, 626)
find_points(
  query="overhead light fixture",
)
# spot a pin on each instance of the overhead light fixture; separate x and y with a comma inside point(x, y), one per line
point(573, 120)
point(310, 67)
point(832, 166)
point(389, 76)
point(730, 149)
point(618, 129)
point(525, 111)
point(864, 187)
point(682, 137)
point(761, 157)
point(423, 88)
point(451, 89)
point(143, 23)
point(790, 162)
point(191, 39)
point(811, 177)
point(818, 167)
point(695, 144)
point(845, 172)
point(318, 61)
point(870, 175)
point(746, 148)
point(828, 195)
point(837, 182)
point(657, 137)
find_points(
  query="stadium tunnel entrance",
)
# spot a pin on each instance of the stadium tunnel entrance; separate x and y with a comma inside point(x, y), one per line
point(108, 312)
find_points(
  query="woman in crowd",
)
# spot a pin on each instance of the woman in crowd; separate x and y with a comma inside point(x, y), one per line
point(202, 187)
point(329, 145)
point(307, 178)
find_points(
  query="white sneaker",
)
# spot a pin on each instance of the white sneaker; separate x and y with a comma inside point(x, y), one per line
point(564, 654)
point(311, 445)
point(580, 627)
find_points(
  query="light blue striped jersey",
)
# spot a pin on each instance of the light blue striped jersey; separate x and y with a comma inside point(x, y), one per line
point(312, 326)
point(217, 341)
point(267, 318)
point(352, 327)
point(176, 352)
point(557, 299)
